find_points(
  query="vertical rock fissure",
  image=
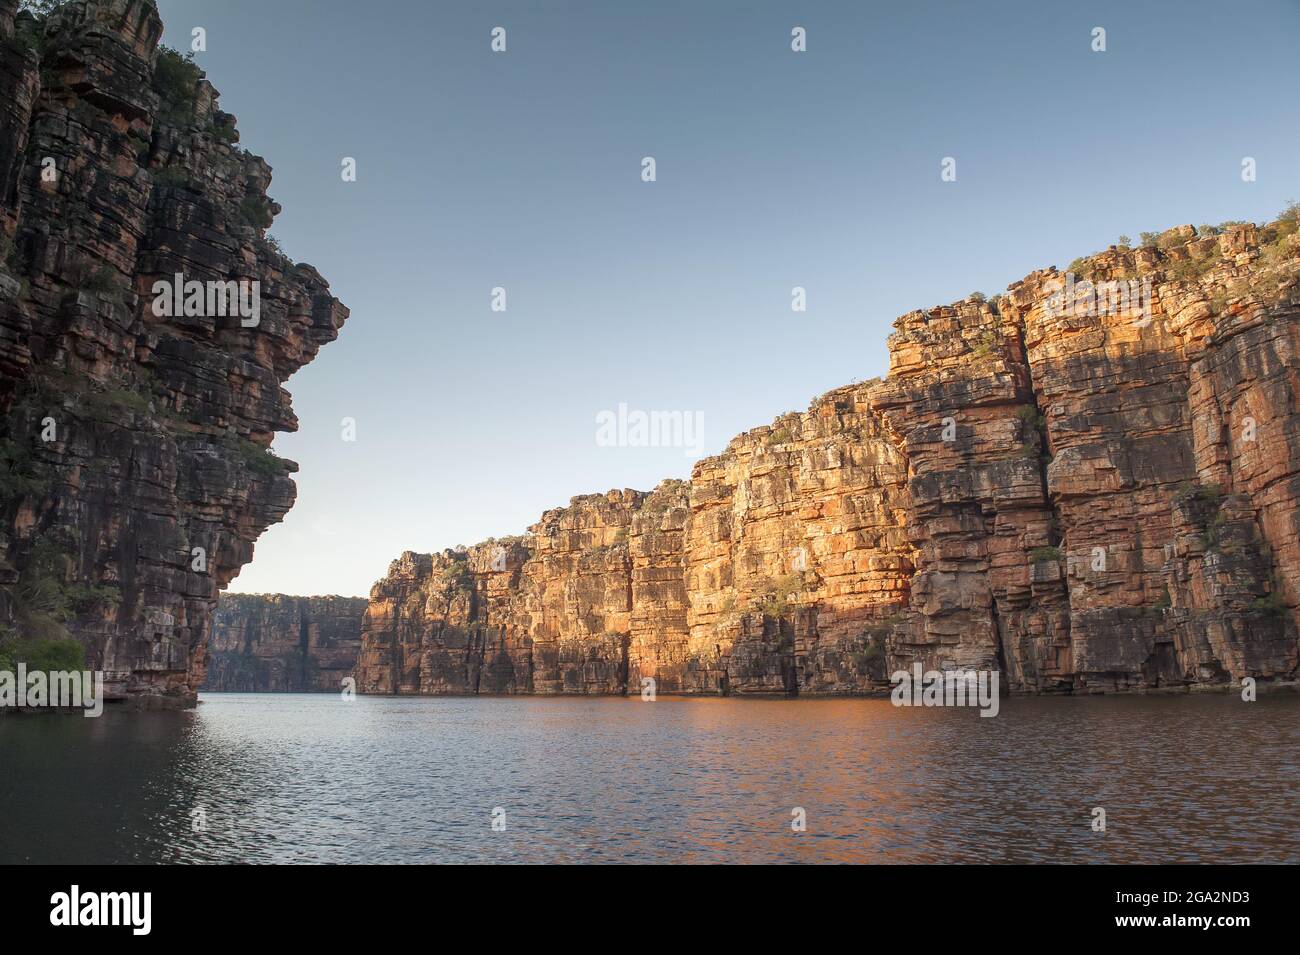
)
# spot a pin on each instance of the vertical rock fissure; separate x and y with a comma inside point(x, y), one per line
point(1055, 533)
point(304, 648)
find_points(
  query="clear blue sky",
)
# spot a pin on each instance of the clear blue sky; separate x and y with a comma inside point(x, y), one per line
point(775, 169)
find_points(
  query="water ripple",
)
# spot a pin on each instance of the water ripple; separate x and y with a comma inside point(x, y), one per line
point(303, 778)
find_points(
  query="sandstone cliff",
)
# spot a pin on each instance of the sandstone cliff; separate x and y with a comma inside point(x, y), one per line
point(275, 643)
point(135, 470)
point(1086, 489)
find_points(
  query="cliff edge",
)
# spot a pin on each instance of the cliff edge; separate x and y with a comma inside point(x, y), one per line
point(135, 470)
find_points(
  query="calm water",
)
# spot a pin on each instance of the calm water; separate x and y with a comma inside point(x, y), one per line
point(310, 778)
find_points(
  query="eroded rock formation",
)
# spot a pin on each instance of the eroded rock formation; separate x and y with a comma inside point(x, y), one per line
point(275, 643)
point(135, 472)
point(1089, 483)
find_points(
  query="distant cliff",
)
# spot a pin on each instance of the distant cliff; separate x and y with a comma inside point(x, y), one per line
point(135, 470)
point(275, 643)
point(1089, 483)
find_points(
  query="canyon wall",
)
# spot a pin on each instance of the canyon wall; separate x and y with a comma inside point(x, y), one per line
point(135, 470)
point(1088, 484)
point(276, 643)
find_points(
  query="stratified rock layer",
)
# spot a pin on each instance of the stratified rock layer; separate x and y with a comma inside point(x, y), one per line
point(275, 643)
point(134, 470)
point(1085, 491)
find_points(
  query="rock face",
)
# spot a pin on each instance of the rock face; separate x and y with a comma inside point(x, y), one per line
point(135, 472)
point(1088, 484)
point(274, 643)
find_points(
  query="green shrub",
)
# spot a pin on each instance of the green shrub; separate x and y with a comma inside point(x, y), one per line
point(1172, 240)
point(29, 40)
point(1214, 530)
point(872, 650)
point(108, 403)
point(256, 212)
point(274, 245)
point(177, 176)
point(176, 79)
point(85, 598)
point(1029, 415)
point(20, 474)
point(985, 346)
point(225, 133)
point(1042, 554)
point(457, 575)
point(97, 278)
point(1270, 605)
point(43, 599)
point(45, 654)
point(42, 584)
point(259, 459)
point(1203, 493)
point(777, 602)
point(30, 36)
point(862, 659)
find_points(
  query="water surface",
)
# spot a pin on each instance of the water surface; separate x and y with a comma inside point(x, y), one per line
point(313, 778)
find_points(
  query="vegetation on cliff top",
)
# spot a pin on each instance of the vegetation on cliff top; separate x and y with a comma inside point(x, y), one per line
point(1188, 259)
point(176, 80)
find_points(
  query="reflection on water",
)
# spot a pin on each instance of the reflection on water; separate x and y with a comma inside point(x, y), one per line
point(311, 778)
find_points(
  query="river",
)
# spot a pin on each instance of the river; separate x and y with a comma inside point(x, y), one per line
point(315, 778)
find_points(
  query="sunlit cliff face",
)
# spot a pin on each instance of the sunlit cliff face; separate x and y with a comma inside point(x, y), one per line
point(1091, 495)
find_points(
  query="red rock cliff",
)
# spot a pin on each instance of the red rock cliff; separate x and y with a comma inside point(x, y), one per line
point(1087, 495)
point(275, 643)
point(135, 473)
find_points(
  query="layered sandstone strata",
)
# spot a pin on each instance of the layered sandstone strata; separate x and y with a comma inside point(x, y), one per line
point(1088, 486)
point(135, 472)
point(276, 643)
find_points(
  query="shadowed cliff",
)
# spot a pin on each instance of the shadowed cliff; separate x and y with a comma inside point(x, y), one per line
point(276, 643)
point(135, 470)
